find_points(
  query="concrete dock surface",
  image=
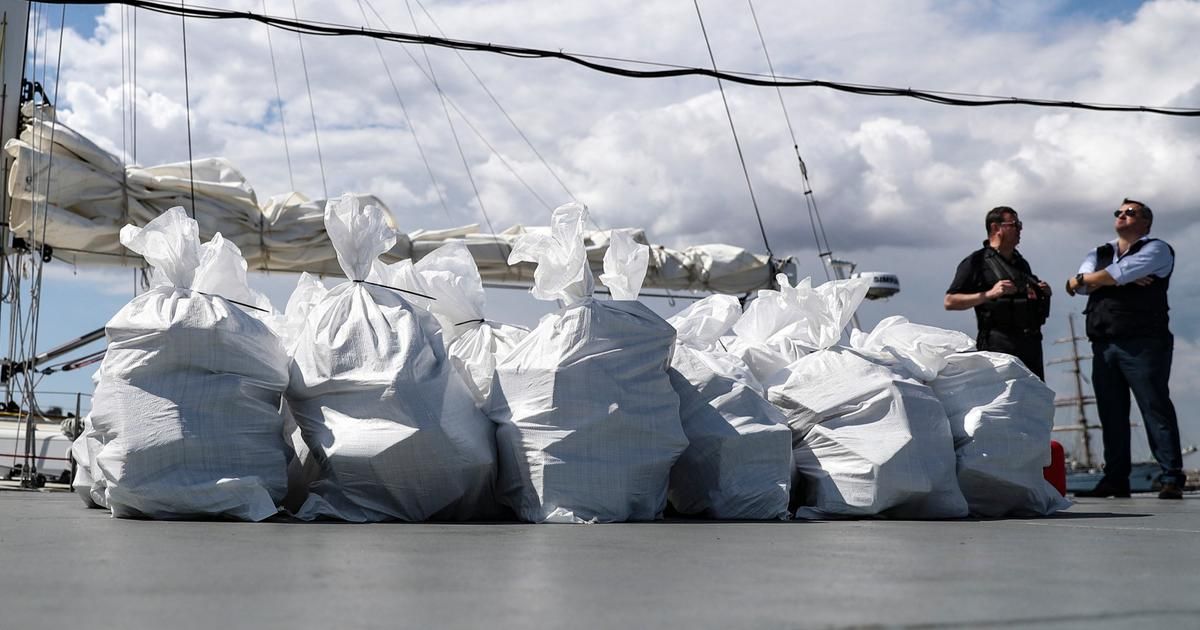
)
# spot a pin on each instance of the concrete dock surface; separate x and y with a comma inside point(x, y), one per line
point(1118, 563)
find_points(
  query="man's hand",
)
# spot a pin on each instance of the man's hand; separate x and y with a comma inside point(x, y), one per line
point(1144, 282)
point(1045, 288)
point(1004, 287)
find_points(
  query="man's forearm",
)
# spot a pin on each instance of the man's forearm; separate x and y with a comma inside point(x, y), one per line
point(1091, 280)
point(1097, 279)
point(964, 301)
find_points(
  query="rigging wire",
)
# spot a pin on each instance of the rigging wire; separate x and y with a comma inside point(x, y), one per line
point(479, 134)
point(128, 98)
point(17, 266)
point(454, 133)
point(13, 261)
point(279, 104)
point(22, 318)
point(4, 231)
point(45, 16)
point(133, 71)
point(129, 83)
point(503, 111)
point(466, 119)
point(311, 108)
point(404, 110)
point(124, 82)
point(461, 114)
point(810, 200)
point(39, 261)
point(29, 347)
point(963, 99)
point(737, 143)
point(187, 106)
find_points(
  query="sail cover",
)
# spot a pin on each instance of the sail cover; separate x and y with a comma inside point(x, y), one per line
point(74, 196)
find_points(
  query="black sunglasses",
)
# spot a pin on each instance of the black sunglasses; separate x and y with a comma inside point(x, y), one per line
point(1127, 212)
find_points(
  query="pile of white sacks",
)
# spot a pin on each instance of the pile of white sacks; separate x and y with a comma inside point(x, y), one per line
point(392, 397)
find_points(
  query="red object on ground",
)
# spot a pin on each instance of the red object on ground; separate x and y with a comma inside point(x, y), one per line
point(1056, 472)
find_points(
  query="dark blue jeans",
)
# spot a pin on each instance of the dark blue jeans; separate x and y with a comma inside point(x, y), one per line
point(1143, 365)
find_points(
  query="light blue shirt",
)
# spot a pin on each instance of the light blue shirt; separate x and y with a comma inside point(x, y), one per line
point(1153, 259)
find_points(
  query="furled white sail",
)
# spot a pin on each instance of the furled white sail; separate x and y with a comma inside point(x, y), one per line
point(74, 196)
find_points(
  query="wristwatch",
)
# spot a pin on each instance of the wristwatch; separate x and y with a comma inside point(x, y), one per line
point(1079, 281)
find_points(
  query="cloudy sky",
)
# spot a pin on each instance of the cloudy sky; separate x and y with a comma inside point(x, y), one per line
point(902, 185)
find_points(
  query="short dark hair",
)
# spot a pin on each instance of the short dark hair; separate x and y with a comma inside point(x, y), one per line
point(1149, 214)
point(996, 215)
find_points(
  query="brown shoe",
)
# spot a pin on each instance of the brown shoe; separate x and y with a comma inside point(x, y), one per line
point(1170, 490)
point(1107, 488)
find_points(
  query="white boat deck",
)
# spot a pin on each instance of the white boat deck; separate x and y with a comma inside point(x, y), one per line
point(1104, 563)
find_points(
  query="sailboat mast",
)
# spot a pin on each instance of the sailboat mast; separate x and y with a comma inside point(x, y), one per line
point(1080, 402)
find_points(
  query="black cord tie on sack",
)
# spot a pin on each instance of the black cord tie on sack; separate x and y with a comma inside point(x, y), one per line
point(384, 286)
point(233, 301)
point(471, 321)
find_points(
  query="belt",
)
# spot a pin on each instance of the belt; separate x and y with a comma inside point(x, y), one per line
point(1013, 331)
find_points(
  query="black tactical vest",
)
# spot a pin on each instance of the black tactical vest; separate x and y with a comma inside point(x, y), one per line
point(1014, 313)
point(1128, 310)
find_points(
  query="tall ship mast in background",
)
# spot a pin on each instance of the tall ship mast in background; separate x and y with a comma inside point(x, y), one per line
point(1082, 458)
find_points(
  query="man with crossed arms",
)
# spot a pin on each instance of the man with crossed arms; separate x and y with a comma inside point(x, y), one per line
point(1126, 282)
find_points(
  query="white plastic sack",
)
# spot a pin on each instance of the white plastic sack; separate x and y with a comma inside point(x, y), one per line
point(1001, 416)
point(921, 350)
point(588, 424)
point(301, 467)
point(87, 485)
point(625, 263)
point(738, 463)
point(394, 430)
point(187, 405)
point(449, 275)
point(869, 442)
point(308, 293)
point(781, 326)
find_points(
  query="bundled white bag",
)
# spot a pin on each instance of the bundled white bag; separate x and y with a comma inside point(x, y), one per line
point(1001, 416)
point(302, 467)
point(588, 424)
point(867, 440)
point(872, 441)
point(920, 350)
point(781, 326)
point(393, 428)
point(449, 275)
point(309, 292)
point(738, 463)
point(187, 406)
point(86, 484)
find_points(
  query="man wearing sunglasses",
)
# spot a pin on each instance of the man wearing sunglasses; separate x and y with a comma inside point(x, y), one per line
point(1010, 303)
point(1126, 282)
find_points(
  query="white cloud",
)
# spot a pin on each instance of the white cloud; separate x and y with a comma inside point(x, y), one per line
point(895, 153)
